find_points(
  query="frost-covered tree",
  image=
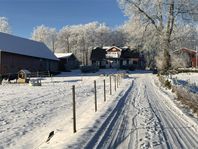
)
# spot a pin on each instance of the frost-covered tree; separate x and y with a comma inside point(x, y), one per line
point(118, 37)
point(102, 35)
point(81, 39)
point(64, 39)
point(142, 37)
point(46, 35)
point(187, 36)
point(180, 60)
point(163, 16)
point(4, 25)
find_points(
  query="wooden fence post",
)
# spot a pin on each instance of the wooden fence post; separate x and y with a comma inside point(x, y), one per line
point(74, 109)
point(104, 90)
point(49, 75)
point(110, 85)
point(95, 95)
point(119, 80)
point(115, 82)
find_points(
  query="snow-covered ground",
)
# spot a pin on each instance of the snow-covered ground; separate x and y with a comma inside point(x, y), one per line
point(187, 80)
point(28, 114)
point(144, 117)
point(190, 77)
point(138, 115)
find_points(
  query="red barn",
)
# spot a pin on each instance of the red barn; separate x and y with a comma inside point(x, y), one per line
point(192, 55)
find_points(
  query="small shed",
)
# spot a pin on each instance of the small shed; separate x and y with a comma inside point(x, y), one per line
point(67, 61)
point(24, 76)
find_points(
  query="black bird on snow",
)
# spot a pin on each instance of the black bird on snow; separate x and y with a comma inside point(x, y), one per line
point(51, 134)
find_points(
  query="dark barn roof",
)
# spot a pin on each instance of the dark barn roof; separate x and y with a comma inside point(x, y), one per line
point(128, 53)
point(22, 46)
point(99, 54)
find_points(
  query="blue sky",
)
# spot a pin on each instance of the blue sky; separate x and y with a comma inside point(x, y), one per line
point(24, 15)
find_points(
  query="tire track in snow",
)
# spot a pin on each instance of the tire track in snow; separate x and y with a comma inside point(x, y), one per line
point(109, 138)
point(153, 124)
point(176, 138)
point(158, 119)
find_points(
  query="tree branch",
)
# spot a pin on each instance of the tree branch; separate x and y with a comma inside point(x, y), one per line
point(145, 14)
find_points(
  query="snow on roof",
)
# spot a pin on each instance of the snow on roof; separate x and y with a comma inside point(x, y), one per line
point(190, 50)
point(113, 47)
point(106, 47)
point(25, 71)
point(187, 50)
point(22, 46)
point(63, 55)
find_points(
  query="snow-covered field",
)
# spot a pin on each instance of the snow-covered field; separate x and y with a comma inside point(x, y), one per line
point(138, 115)
point(191, 77)
point(28, 114)
point(187, 80)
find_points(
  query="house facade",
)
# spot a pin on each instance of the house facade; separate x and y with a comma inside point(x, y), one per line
point(116, 57)
point(67, 61)
point(17, 53)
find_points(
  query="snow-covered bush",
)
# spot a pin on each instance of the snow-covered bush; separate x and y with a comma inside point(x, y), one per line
point(180, 61)
point(187, 98)
point(165, 82)
point(159, 60)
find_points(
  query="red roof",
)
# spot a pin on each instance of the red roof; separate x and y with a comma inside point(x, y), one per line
point(190, 51)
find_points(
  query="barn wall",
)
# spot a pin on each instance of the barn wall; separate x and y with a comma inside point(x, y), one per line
point(194, 61)
point(12, 63)
point(0, 63)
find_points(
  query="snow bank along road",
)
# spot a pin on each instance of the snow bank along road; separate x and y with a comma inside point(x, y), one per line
point(145, 117)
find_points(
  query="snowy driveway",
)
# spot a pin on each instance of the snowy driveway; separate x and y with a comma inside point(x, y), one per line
point(145, 118)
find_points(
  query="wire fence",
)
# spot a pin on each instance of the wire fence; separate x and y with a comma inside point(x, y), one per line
point(84, 93)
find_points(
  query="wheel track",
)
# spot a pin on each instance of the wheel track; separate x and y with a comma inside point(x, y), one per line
point(173, 121)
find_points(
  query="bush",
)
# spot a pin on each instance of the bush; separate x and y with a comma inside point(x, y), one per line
point(54, 73)
point(155, 71)
point(131, 67)
point(167, 84)
point(89, 69)
point(128, 67)
point(125, 67)
point(189, 99)
point(186, 70)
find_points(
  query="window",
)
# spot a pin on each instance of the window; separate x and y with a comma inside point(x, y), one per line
point(135, 62)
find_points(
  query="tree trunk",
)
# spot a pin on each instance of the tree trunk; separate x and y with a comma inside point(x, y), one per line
point(87, 55)
point(167, 39)
point(68, 46)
